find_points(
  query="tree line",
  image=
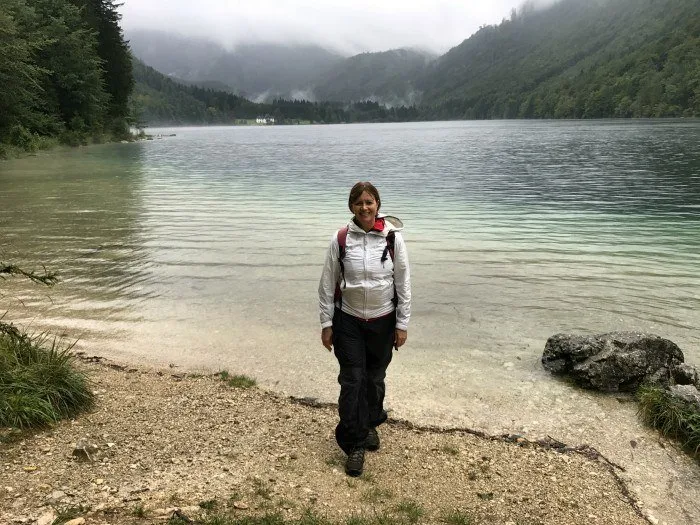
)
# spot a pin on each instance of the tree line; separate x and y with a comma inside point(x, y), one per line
point(160, 100)
point(65, 73)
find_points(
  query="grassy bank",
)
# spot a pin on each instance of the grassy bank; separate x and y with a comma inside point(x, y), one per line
point(39, 383)
point(673, 417)
point(35, 143)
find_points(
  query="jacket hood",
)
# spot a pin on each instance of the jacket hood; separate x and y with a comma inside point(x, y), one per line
point(395, 222)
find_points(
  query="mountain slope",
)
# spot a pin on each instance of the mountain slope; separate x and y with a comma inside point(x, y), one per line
point(260, 72)
point(387, 77)
point(577, 59)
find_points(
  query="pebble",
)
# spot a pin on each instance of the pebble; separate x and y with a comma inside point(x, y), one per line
point(651, 518)
point(57, 495)
point(47, 518)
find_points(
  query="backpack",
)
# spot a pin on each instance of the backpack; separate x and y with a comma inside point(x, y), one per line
point(342, 243)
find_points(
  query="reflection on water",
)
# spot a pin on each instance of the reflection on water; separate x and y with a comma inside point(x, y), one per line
point(77, 213)
point(207, 246)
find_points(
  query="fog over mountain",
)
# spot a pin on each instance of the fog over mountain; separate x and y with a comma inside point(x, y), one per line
point(347, 27)
point(284, 57)
point(576, 59)
point(258, 71)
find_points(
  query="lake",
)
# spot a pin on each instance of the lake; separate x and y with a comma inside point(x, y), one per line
point(203, 250)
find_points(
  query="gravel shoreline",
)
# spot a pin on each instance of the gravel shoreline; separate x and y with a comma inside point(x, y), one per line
point(180, 443)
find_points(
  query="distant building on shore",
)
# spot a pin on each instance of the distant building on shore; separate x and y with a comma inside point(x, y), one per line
point(267, 119)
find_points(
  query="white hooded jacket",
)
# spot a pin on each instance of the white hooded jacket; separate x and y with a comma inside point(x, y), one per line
point(368, 284)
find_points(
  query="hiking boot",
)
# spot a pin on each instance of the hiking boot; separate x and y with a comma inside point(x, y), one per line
point(372, 440)
point(355, 462)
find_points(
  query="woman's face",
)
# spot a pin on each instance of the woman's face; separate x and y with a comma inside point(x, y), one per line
point(365, 210)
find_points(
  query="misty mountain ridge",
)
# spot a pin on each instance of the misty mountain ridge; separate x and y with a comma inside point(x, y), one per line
point(573, 59)
point(258, 71)
point(264, 72)
point(387, 77)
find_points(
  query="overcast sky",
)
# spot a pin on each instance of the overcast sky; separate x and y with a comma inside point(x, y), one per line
point(351, 26)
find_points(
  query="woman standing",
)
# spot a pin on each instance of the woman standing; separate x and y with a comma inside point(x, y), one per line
point(365, 305)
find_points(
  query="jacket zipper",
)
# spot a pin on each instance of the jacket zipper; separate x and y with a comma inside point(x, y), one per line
point(364, 262)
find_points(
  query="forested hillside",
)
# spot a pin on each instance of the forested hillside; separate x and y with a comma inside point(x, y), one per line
point(387, 77)
point(577, 59)
point(65, 73)
point(158, 100)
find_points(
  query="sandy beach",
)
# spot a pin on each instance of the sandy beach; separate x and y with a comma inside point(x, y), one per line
point(169, 443)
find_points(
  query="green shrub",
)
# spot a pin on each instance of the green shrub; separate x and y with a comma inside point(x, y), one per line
point(671, 416)
point(38, 382)
point(236, 381)
point(22, 138)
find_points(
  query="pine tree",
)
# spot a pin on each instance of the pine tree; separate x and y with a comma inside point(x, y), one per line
point(102, 17)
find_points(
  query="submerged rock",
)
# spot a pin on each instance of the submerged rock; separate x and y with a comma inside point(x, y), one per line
point(612, 362)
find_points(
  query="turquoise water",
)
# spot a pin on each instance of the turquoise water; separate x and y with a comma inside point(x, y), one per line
point(204, 249)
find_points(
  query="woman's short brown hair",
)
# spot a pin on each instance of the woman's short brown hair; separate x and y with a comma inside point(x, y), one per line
point(357, 190)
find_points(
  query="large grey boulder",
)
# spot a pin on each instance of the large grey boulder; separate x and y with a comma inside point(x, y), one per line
point(612, 362)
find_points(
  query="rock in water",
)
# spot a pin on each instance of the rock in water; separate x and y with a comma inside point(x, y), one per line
point(612, 362)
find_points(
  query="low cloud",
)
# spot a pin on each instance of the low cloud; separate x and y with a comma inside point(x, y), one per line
point(346, 26)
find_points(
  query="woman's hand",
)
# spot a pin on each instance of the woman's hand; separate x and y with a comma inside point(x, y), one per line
point(327, 338)
point(400, 337)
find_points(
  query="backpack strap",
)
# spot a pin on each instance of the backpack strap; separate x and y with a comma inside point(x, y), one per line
point(389, 246)
point(390, 237)
point(342, 243)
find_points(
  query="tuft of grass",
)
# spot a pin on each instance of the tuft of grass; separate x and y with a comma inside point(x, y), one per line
point(368, 477)
point(457, 517)
point(209, 504)
point(262, 489)
point(237, 381)
point(386, 519)
point(69, 513)
point(411, 509)
point(138, 511)
point(673, 417)
point(449, 449)
point(377, 495)
point(178, 519)
point(357, 520)
point(336, 460)
point(286, 503)
point(309, 517)
point(408, 513)
point(39, 383)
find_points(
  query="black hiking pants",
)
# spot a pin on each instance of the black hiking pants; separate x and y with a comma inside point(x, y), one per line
point(363, 349)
